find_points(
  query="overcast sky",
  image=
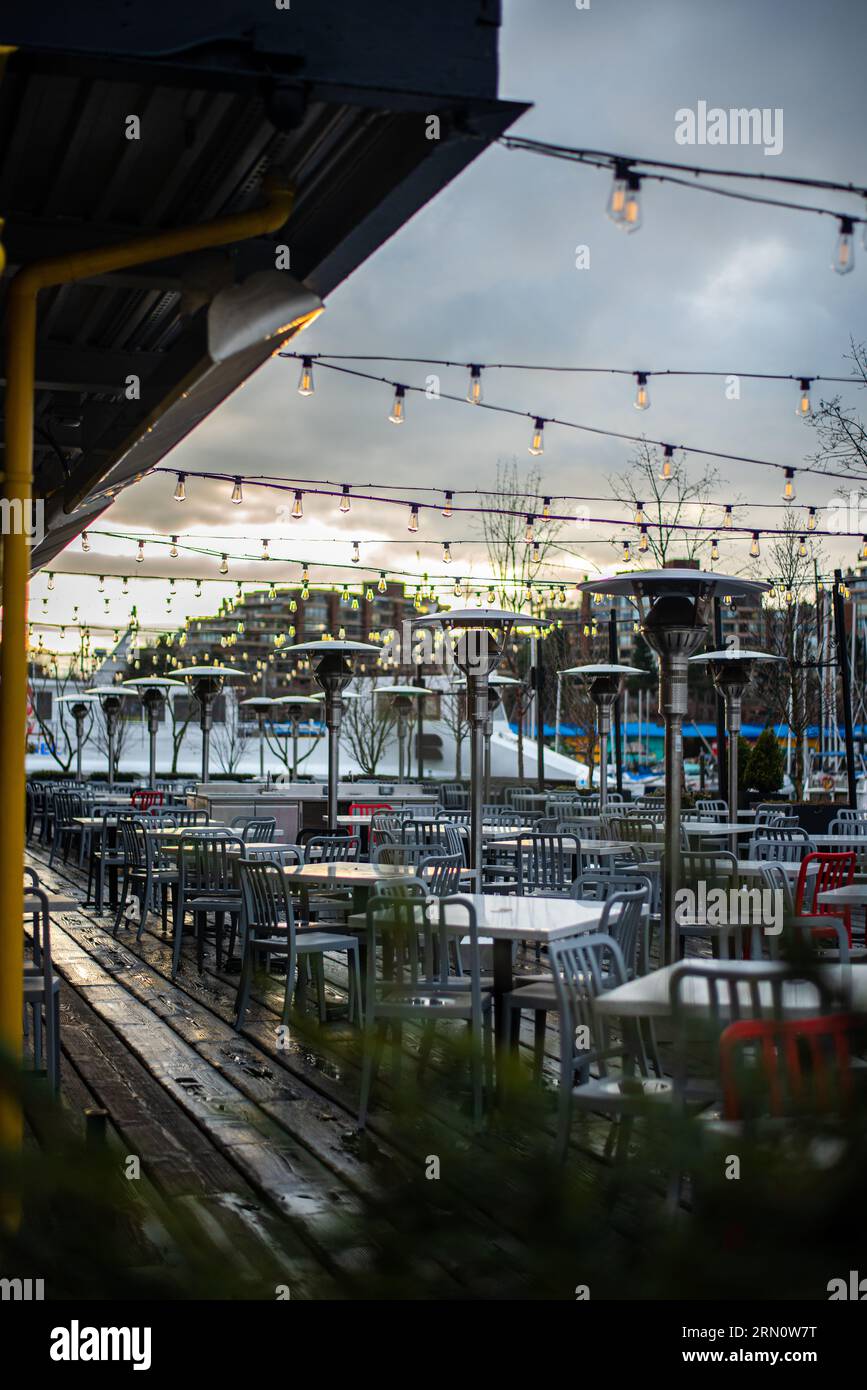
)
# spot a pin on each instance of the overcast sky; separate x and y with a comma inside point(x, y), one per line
point(487, 272)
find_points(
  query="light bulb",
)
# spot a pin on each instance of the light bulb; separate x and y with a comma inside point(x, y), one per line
point(631, 219)
point(492, 594)
point(224, 564)
point(537, 551)
point(197, 593)
point(844, 254)
point(354, 604)
point(125, 586)
point(272, 591)
point(528, 530)
point(457, 590)
point(412, 524)
point(237, 493)
point(667, 456)
point(789, 485)
point(546, 508)
point(811, 518)
point(344, 498)
point(447, 553)
point(100, 588)
point(305, 574)
point(447, 506)
point(639, 513)
point(341, 634)
point(398, 406)
point(804, 408)
point(297, 507)
point(727, 519)
point(714, 549)
point(627, 553)
point(474, 390)
point(368, 595)
point(305, 381)
point(755, 550)
point(802, 547)
point(382, 586)
point(305, 592)
point(293, 606)
point(536, 446)
point(643, 542)
point(140, 553)
point(617, 196)
point(356, 553)
point(85, 542)
point(642, 395)
point(266, 554)
point(50, 584)
point(181, 488)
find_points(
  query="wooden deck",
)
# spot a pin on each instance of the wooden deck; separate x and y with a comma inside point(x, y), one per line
point(255, 1133)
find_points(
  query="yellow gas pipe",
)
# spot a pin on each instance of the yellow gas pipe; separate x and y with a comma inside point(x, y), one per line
point(17, 487)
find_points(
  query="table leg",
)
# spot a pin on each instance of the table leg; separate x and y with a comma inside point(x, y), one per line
point(503, 985)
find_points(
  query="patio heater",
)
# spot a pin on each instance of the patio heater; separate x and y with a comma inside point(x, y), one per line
point(79, 706)
point(674, 605)
point(496, 683)
point(731, 670)
point(402, 697)
point(111, 700)
point(482, 634)
point(205, 684)
point(260, 705)
point(153, 691)
point(604, 682)
point(332, 661)
point(295, 706)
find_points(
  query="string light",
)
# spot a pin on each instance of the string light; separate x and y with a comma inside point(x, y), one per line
point(140, 553)
point(180, 493)
point(617, 197)
point(382, 586)
point(803, 409)
point(197, 592)
point(224, 564)
point(412, 524)
point(447, 506)
point(639, 518)
point(344, 498)
point(667, 456)
point(100, 588)
point(727, 518)
point(492, 594)
point(789, 486)
point(297, 506)
point(844, 253)
point(529, 536)
point(642, 394)
point(266, 554)
point(537, 551)
point(305, 381)
point(536, 446)
point(546, 508)
point(457, 590)
point(50, 584)
point(627, 553)
point(474, 390)
point(755, 550)
point(305, 574)
point(237, 493)
point(631, 219)
point(802, 548)
point(447, 553)
point(643, 542)
point(398, 406)
point(356, 553)
point(811, 518)
point(85, 542)
point(124, 588)
point(173, 552)
point(714, 549)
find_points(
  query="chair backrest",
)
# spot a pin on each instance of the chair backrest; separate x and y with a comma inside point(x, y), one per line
point(623, 920)
point(385, 827)
point(819, 873)
point(767, 811)
point(214, 859)
point(259, 830)
point(41, 938)
point(844, 825)
point(332, 849)
point(266, 905)
point(132, 840)
point(582, 827)
point(451, 817)
point(404, 855)
point(143, 799)
point(454, 796)
point(785, 845)
point(441, 873)
point(764, 1060)
point(716, 868)
point(547, 861)
point(735, 990)
point(848, 814)
point(368, 808)
point(266, 852)
point(433, 832)
point(712, 806)
point(584, 967)
point(185, 816)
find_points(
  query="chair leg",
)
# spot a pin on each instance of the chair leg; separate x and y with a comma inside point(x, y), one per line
point(356, 1004)
point(539, 1028)
point(489, 1052)
point(291, 966)
point(178, 934)
point(424, 1047)
point(244, 986)
point(369, 1068)
point(121, 904)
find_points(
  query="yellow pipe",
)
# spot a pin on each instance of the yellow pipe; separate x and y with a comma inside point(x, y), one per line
point(17, 487)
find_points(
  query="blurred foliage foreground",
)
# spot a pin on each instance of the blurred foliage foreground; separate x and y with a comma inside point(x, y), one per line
point(450, 1214)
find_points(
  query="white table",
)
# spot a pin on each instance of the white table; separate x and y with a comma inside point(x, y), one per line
point(850, 895)
point(649, 996)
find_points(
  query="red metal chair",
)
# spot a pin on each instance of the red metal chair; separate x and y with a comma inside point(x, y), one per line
point(832, 871)
point(805, 1061)
point(368, 808)
point(143, 800)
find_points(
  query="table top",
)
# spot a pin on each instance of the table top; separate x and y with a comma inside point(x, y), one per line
point(349, 872)
point(355, 820)
point(522, 919)
point(840, 841)
point(717, 827)
point(649, 995)
point(850, 895)
point(56, 902)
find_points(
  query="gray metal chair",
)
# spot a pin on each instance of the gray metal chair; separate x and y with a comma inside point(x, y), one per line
point(42, 987)
point(257, 830)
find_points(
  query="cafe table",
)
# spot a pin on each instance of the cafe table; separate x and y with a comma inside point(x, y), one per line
point(506, 921)
point(649, 996)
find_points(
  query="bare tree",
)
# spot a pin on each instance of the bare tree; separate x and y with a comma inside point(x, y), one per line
point(841, 434)
point(454, 716)
point(58, 733)
point(179, 725)
point(366, 730)
point(670, 503)
point(230, 738)
point(282, 748)
point(514, 561)
point(122, 725)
